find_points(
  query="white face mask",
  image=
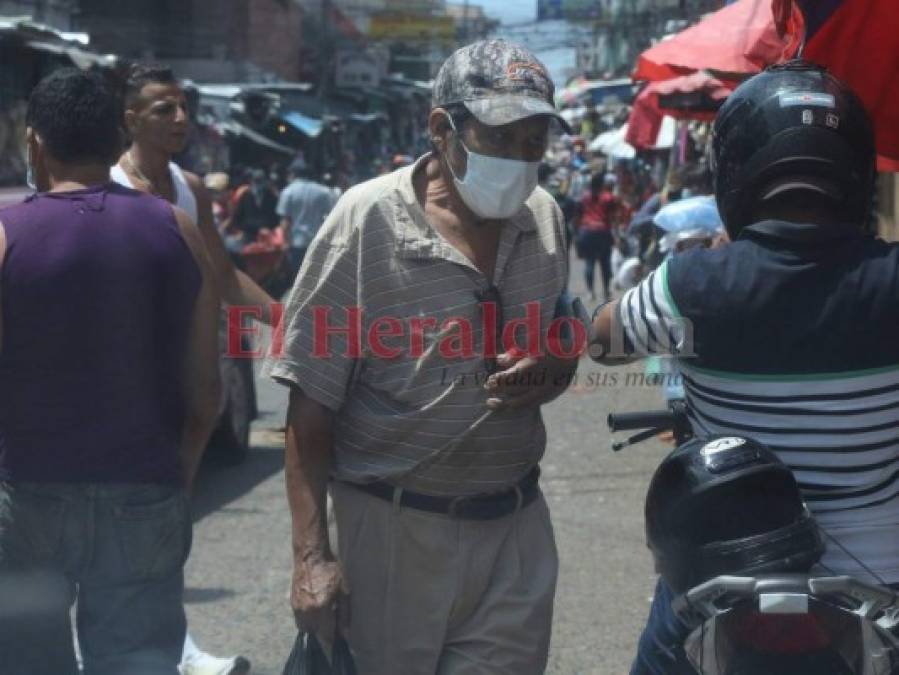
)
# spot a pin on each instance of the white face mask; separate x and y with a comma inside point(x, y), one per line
point(494, 187)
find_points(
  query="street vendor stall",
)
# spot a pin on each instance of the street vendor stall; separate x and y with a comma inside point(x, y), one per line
point(28, 52)
point(689, 97)
point(734, 42)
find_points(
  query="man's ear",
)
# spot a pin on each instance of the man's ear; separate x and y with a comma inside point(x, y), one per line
point(439, 128)
point(130, 122)
point(33, 142)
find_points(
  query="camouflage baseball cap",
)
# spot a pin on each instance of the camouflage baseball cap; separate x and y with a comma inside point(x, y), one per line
point(497, 81)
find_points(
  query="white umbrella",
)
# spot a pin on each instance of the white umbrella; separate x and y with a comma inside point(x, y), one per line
point(612, 143)
point(667, 133)
point(571, 115)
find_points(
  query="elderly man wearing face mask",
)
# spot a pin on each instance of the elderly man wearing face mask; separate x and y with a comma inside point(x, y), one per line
point(407, 397)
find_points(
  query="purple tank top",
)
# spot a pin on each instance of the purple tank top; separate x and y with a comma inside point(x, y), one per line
point(98, 288)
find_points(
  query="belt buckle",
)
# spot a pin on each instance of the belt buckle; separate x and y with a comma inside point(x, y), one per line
point(451, 511)
point(459, 502)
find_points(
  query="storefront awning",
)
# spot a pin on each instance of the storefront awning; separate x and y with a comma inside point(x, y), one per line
point(80, 57)
point(239, 129)
point(365, 118)
point(309, 126)
point(740, 39)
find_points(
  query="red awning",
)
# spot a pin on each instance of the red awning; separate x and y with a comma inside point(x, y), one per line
point(690, 97)
point(857, 41)
point(739, 39)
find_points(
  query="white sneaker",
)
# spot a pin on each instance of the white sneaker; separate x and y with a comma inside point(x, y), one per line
point(206, 664)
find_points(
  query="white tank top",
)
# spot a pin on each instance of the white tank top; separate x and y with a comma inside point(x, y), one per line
point(184, 196)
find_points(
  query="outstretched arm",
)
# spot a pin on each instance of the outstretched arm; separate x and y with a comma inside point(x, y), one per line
point(644, 322)
point(201, 369)
point(234, 285)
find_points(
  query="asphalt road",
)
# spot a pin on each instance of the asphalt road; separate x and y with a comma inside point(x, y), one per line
point(238, 573)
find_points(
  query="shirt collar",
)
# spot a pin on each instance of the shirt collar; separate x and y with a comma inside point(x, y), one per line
point(417, 238)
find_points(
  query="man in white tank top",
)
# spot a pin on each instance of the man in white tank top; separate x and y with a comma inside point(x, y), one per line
point(157, 121)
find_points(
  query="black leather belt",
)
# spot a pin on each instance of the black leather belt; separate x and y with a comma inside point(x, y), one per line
point(471, 507)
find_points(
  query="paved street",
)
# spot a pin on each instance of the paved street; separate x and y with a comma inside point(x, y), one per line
point(238, 573)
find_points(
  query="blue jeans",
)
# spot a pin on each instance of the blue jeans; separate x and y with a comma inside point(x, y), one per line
point(120, 549)
point(596, 247)
point(661, 647)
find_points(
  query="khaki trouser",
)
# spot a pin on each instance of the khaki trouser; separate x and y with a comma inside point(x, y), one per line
point(431, 595)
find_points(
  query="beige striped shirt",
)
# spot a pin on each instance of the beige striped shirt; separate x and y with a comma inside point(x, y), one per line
point(419, 418)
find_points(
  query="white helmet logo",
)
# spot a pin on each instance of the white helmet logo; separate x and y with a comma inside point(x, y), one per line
point(721, 445)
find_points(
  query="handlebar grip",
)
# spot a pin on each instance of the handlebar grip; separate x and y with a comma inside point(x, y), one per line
point(654, 419)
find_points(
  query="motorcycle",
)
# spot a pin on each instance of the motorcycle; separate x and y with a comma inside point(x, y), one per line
point(776, 623)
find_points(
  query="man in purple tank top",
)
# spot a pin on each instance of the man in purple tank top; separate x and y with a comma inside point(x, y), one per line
point(109, 388)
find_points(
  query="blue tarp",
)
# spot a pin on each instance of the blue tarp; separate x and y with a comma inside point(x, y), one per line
point(306, 125)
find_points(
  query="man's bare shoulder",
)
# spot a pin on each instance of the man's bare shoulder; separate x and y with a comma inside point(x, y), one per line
point(190, 232)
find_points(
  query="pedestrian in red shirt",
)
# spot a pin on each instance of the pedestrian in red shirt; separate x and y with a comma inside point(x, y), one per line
point(597, 215)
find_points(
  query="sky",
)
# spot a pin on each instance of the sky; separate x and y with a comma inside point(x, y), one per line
point(558, 61)
point(509, 11)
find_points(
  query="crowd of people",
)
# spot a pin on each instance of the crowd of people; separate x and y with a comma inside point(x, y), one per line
point(268, 218)
point(115, 270)
point(608, 206)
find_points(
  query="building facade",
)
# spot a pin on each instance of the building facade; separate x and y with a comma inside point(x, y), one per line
point(226, 40)
point(58, 14)
point(622, 29)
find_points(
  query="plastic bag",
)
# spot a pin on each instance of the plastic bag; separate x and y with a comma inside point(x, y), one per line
point(308, 658)
point(690, 214)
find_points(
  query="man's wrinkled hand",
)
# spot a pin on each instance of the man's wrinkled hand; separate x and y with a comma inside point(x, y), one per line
point(527, 380)
point(318, 596)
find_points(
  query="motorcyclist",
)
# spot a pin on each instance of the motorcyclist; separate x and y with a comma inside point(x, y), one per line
point(689, 223)
point(788, 334)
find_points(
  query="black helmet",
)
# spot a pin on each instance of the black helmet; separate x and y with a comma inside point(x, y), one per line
point(727, 505)
point(792, 127)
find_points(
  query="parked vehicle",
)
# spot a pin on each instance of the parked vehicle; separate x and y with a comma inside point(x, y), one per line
point(734, 541)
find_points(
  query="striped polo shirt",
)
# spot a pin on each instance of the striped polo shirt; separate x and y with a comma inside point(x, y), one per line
point(410, 406)
point(791, 336)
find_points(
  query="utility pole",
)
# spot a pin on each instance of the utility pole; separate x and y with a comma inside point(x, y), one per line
point(324, 48)
point(465, 37)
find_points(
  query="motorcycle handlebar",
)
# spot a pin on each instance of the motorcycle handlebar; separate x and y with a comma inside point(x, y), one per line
point(654, 419)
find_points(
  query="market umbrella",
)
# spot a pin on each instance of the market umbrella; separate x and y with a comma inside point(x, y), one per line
point(690, 97)
point(613, 144)
point(740, 39)
point(857, 41)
